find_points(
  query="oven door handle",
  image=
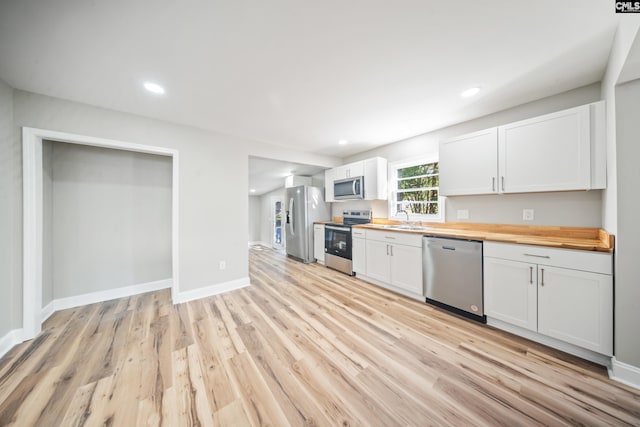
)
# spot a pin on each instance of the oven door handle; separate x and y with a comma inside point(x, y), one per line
point(333, 227)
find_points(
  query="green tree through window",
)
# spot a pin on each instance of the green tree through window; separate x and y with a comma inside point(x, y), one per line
point(417, 189)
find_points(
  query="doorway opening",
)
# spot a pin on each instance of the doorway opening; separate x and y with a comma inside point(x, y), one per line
point(33, 214)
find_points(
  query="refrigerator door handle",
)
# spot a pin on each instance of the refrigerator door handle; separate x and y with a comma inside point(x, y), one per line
point(292, 217)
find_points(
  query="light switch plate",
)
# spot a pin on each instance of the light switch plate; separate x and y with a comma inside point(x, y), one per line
point(527, 214)
point(462, 214)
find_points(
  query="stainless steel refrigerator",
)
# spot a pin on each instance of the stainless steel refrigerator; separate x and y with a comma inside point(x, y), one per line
point(304, 205)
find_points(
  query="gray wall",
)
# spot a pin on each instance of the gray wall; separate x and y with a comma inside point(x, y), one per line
point(10, 228)
point(210, 208)
point(111, 219)
point(568, 209)
point(627, 274)
point(255, 215)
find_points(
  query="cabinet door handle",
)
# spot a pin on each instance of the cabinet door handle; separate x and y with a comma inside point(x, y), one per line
point(538, 256)
point(531, 275)
point(503, 183)
point(387, 250)
point(391, 250)
point(542, 280)
point(493, 184)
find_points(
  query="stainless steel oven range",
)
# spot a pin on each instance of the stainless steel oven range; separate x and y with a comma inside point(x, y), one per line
point(337, 240)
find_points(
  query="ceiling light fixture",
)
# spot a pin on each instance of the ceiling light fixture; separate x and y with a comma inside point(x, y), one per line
point(253, 190)
point(343, 142)
point(470, 92)
point(152, 87)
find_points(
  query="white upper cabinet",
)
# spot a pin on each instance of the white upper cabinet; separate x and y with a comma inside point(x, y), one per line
point(469, 164)
point(328, 185)
point(375, 179)
point(548, 153)
point(560, 151)
point(351, 170)
point(373, 170)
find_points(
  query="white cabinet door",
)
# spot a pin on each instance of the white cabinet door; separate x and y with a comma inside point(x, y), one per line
point(329, 177)
point(378, 266)
point(359, 256)
point(469, 164)
point(375, 179)
point(318, 242)
point(546, 153)
point(355, 169)
point(576, 307)
point(510, 292)
point(406, 268)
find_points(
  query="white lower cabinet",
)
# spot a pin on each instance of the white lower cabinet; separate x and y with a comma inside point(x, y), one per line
point(510, 292)
point(359, 251)
point(576, 307)
point(395, 259)
point(406, 268)
point(378, 265)
point(318, 242)
point(563, 294)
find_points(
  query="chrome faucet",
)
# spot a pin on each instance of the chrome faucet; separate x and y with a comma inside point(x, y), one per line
point(406, 213)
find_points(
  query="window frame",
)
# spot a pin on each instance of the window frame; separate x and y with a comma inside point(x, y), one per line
point(393, 186)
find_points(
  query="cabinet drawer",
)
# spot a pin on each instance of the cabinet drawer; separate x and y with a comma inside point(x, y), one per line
point(358, 233)
point(597, 262)
point(318, 227)
point(395, 238)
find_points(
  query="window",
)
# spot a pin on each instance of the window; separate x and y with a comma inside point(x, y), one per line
point(414, 189)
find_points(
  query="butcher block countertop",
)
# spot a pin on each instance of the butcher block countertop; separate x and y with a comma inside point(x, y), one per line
point(587, 239)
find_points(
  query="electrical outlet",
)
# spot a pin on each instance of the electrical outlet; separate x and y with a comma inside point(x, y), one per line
point(527, 214)
point(223, 265)
point(462, 214)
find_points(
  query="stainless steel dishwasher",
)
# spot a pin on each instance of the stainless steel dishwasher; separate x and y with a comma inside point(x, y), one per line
point(452, 272)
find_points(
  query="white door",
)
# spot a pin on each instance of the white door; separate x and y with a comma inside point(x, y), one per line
point(318, 242)
point(469, 164)
point(510, 292)
point(406, 268)
point(277, 222)
point(576, 307)
point(378, 265)
point(547, 153)
point(359, 255)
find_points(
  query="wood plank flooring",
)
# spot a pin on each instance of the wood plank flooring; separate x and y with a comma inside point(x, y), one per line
point(302, 346)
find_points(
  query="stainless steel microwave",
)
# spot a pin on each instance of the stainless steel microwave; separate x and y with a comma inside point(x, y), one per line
point(349, 188)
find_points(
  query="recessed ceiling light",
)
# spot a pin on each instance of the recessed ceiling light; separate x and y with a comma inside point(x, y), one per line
point(253, 190)
point(470, 92)
point(152, 87)
point(343, 142)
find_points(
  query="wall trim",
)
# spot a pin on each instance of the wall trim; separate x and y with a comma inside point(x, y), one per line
point(32, 214)
point(584, 353)
point(259, 242)
point(211, 290)
point(101, 296)
point(625, 373)
point(11, 338)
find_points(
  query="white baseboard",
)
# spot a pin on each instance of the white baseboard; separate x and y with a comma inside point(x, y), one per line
point(12, 338)
point(600, 359)
point(625, 373)
point(258, 242)
point(207, 291)
point(100, 296)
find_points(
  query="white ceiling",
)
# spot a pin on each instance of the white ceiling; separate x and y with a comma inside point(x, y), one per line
point(306, 74)
point(266, 175)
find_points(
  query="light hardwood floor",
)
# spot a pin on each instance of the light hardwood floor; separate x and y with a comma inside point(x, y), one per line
point(304, 345)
